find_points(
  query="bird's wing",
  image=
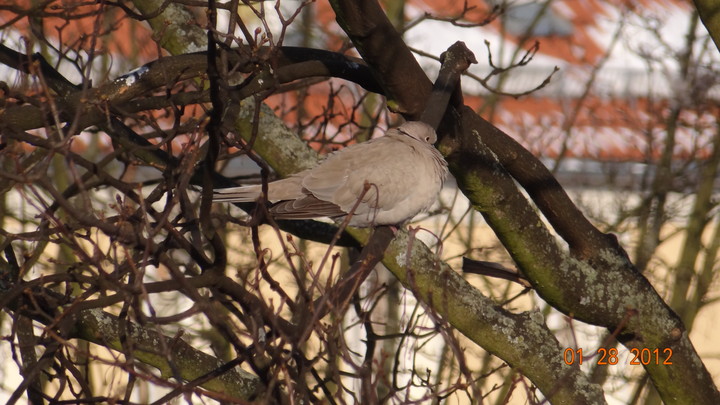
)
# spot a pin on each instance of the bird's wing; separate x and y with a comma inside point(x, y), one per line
point(340, 179)
point(305, 208)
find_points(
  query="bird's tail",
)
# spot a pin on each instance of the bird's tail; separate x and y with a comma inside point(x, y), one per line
point(237, 194)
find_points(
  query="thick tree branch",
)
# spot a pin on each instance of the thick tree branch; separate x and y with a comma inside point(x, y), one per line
point(447, 85)
point(102, 328)
point(709, 11)
point(381, 47)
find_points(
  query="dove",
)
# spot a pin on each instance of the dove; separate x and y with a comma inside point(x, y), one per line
point(404, 171)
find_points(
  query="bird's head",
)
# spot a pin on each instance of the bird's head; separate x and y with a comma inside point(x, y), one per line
point(418, 130)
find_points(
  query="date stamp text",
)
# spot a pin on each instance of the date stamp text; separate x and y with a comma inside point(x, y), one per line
point(604, 356)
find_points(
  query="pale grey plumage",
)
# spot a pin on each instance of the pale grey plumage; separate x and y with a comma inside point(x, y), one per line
point(403, 167)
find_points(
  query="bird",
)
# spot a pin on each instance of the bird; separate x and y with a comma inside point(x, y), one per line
point(384, 181)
